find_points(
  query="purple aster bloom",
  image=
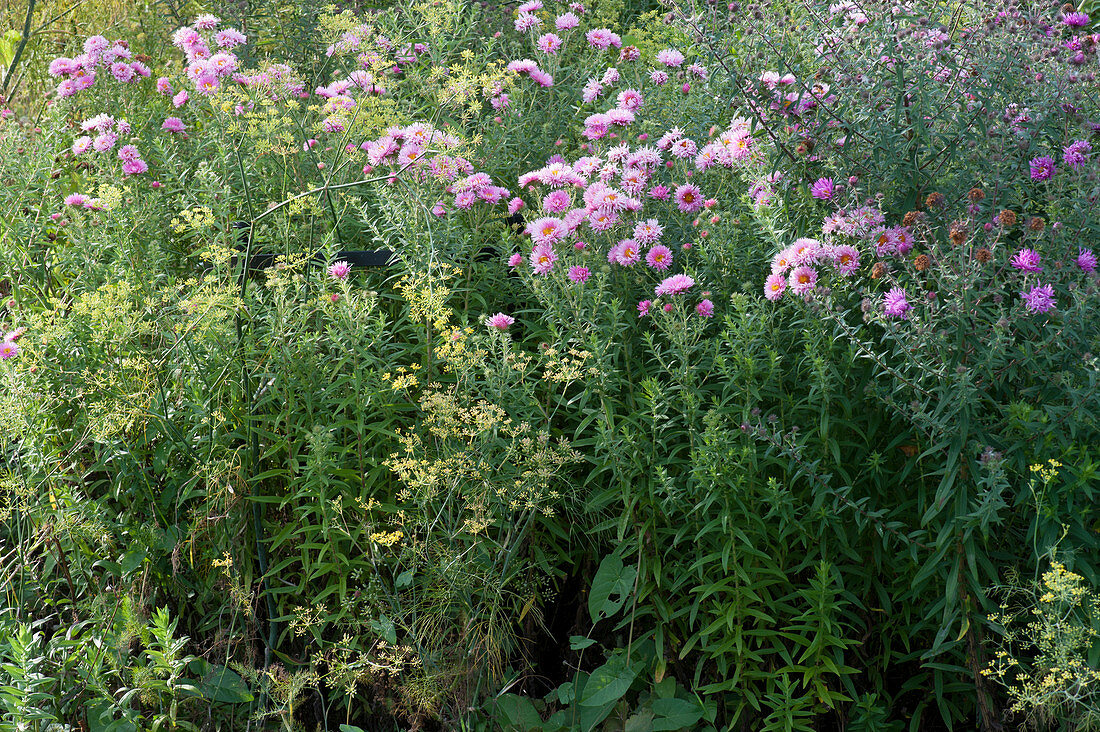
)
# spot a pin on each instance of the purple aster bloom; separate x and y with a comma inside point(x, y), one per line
point(1086, 260)
point(895, 304)
point(1076, 153)
point(824, 189)
point(1076, 20)
point(1027, 260)
point(1039, 299)
point(1042, 167)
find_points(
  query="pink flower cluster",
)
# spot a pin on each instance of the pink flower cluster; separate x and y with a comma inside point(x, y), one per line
point(106, 130)
point(532, 70)
point(8, 346)
point(79, 72)
point(206, 68)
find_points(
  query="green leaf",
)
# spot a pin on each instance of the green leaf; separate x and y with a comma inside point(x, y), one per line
point(579, 642)
point(610, 587)
point(384, 627)
point(518, 712)
point(675, 714)
point(608, 683)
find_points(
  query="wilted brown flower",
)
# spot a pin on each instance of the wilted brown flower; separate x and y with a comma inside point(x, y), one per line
point(958, 233)
point(1036, 224)
point(1006, 218)
point(911, 218)
point(878, 270)
point(935, 200)
point(983, 255)
point(922, 263)
point(975, 195)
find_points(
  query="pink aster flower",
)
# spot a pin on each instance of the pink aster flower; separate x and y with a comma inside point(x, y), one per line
point(658, 77)
point(670, 57)
point(527, 21)
point(659, 257)
point(173, 124)
point(567, 21)
point(1075, 155)
point(128, 152)
point(659, 192)
point(8, 349)
point(803, 279)
point(549, 43)
point(774, 286)
point(578, 274)
point(689, 198)
point(1039, 299)
point(1042, 168)
point(104, 142)
point(515, 205)
point(1086, 260)
point(705, 308)
point(648, 231)
point(545, 230)
point(515, 260)
point(135, 167)
point(599, 38)
point(122, 71)
point(643, 308)
point(845, 258)
point(674, 285)
point(557, 201)
point(542, 258)
point(76, 199)
point(229, 38)
point(1027, 260)
point(82, 145)
point(626, 253)
point(823, 189)
point(500, 321)
point(339, 270)
point(1076, 19)
point(895, 304)
point(630, 99)
point(180, 99)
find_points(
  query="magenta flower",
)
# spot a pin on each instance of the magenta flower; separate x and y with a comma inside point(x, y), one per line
point(557, 201)
point(180, 99)
point(774, 286)
point(1042, 168)
point(895, 304)
point(76, 199)
point(705, 308)
point(845, 259)
point(674, 285)
point(8, 349)
point(1075, 155)
point(1086, 260)
point(658, 77)
point(1039, 299)
point(549, 43)
point(643, 308)
point(803, 280)
point(128, 153)
point(578, 274)
point(823, 189)
point(627, 253)
point(648, 231)
point(545, 230)
point(500, 321)
point(1076, 19)
point(340, 270)
point(659, 257)
point(567, 21)
point(1027, 260)
point(135, 167)
point(689, 198)
point(515, 260)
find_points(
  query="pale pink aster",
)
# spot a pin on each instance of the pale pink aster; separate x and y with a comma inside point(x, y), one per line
point(206, 22)
point(542, 258)
point(96, 45)
point(629, 99)
point(627, 253)
point(578, 274)
point(670, 57)
point(648, 231)
point(76, 199)
point(599, 38)
point(500, 321)
point(774, 286)
point(545, 230)
point(180, 99)
point(527, 21)
point(611, 76)
point(82, 145)
point(173, 124)
point(845, 258)
point(515, 260)
point(567, 21)
point(549, 43)
point(557, 201)
point(515, 205)
point(8, 349)
point(128, 152)
point(659, 192)
point(229, 38)
point(658, 77)
point(674, 285)
point(802, 280)
point(705, 308)
point(530, 6)
point(542, 78)
point(122, 72)
point(104, 142)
